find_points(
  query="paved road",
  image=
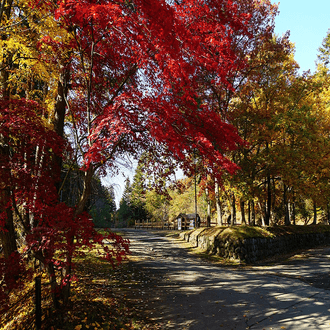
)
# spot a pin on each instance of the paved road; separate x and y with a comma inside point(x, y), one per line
point(197, 294)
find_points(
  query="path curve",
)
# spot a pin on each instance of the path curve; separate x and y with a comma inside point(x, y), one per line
point(192, 293)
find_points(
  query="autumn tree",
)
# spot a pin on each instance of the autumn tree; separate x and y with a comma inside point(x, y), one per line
point(219, 93)
point(88, 84)
point(264, 98)
point(281, 116)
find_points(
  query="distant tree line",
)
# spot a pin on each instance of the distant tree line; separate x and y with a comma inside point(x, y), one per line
point(283, 174)
point(101, 203)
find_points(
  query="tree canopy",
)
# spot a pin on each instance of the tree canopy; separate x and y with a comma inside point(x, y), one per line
point(84, 84)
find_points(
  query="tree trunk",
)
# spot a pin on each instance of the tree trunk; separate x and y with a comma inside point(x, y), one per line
point(286, 206)
point(79, 209)
point(293, 209)
point(59, 117)
point(58, 125)
point(315, 213)
point(208, 207)
point(233, 210)
point(268, 205)
point(195, 186)
point(293, 213)
point(8, 235)
point(88, 176)
point(218, 204)
point(243, 211)
point(253, 213)
point(249, 212)
point(60, 103)
point(262, 209)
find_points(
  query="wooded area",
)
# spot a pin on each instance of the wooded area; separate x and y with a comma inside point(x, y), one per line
point(204, 86)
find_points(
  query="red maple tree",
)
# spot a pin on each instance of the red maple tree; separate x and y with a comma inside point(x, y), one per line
point(129, 79)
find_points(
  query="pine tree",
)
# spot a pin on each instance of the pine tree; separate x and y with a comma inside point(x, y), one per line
point(138, 195)
point(125, 213)
point(324, 51)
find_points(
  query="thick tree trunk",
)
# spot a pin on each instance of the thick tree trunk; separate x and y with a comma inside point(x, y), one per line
point(7, 236)
point(253, 214)
point(59, 117)
point(7, 232)
point(243, 211)
point(58, 125)
point(208, 207)
point(88, 176)
point(262, 209)
point(60, 103)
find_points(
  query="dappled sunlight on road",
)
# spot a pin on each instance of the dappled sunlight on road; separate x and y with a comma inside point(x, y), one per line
point(202, 295)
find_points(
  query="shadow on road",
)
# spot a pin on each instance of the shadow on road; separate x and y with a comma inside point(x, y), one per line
point(187, 292)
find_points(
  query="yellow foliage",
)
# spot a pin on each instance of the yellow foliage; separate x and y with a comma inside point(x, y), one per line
point(32, 71)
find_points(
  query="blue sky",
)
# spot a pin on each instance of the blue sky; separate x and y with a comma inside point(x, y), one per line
point(308, 22)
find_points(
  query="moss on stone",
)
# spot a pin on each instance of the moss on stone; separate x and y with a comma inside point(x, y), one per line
point(239, 233)
point(236, 233)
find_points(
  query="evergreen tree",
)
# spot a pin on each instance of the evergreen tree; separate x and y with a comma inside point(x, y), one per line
point(102, 205)
point(125, 213)
point(138, 195)
point(324, 51)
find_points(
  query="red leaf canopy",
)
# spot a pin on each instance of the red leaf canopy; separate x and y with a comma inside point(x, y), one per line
point(136, 68)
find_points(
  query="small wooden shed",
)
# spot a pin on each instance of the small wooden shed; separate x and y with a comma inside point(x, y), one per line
point(187, 221)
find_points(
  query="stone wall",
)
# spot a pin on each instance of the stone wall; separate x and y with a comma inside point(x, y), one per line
point(252, 249)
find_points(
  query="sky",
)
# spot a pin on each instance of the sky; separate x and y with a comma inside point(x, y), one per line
point(308, 22)
point(118, 181)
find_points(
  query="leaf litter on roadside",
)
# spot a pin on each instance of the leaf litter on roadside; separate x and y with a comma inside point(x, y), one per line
point(103, 298)
point(106, 298)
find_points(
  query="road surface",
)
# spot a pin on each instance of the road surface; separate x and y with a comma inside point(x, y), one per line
point(188, 292)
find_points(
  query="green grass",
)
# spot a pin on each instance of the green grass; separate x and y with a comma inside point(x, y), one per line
point(236, 233)
point(289, 230)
